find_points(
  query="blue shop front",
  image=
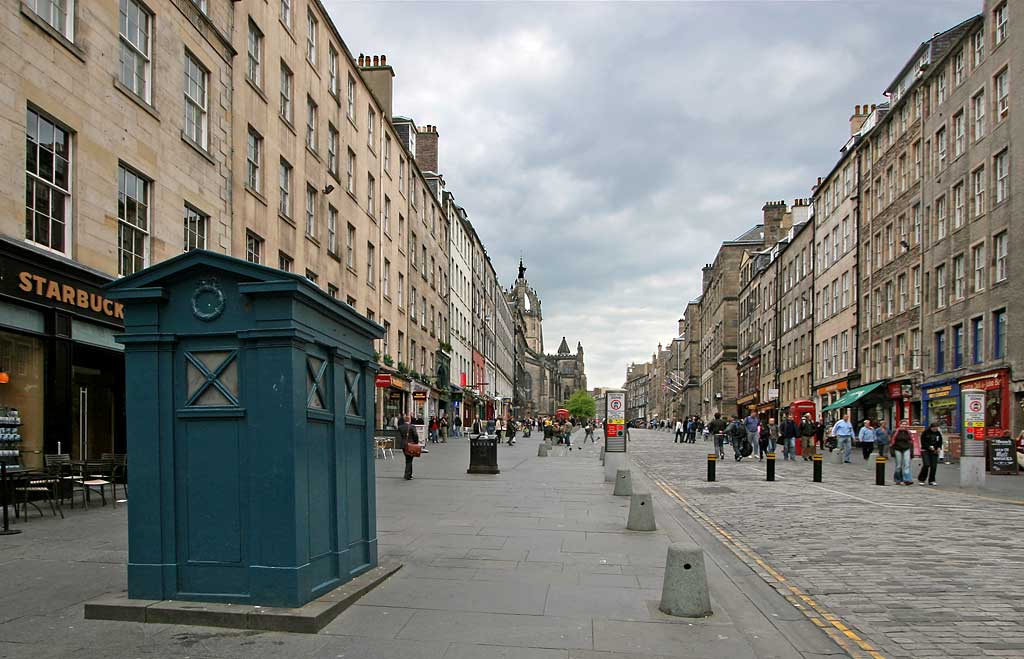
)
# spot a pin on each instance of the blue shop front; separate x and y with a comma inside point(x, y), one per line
point(940, 403)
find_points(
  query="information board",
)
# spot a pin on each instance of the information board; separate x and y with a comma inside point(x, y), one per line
point(974, 413)
point(615, 422)
point(1002, 454)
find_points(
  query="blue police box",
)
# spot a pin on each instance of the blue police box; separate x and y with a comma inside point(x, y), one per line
point(248, 394)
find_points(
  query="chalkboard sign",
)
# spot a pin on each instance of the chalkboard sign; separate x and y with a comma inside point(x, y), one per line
point(1002, 455)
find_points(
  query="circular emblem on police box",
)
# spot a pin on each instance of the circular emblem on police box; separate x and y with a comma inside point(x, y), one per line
point(207, 300)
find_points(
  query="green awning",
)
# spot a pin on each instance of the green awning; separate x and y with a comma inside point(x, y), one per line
point(853, 395)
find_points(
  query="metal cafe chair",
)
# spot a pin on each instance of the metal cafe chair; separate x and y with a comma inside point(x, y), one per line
point(59, 466)
point(119, 471)
point(95, 476)
point(36, 484)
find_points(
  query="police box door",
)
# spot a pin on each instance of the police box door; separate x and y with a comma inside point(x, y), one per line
point(210, 491)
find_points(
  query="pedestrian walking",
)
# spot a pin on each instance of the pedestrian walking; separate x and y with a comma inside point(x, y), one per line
point(589, 432)
point(457, 427)
point(738, 435)
point(433, 429)
point(680, 432)
point(752, 424)
point(499, 428)
point(882, 439)
point(901, 445)
point(407, 437)
point(843, 431)
point(717, 430)
point(788, 432)
point(866, 437)
point(763, 440)
point(773, 435)
point(444, 429)
point(931, 444)
point(807, 431)
point(567, 433)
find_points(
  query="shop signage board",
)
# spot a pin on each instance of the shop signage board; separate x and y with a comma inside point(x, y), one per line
point(420, 395)
point(1002, 453)
point(383, 380)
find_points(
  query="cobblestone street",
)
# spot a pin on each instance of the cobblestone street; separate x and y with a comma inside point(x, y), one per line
point(910, 571)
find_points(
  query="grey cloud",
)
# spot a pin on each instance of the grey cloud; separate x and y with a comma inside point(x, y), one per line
point(616, 145)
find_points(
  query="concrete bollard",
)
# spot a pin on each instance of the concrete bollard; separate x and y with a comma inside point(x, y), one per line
point(623, 483)
point(641, 513)
point(542, 450)
point(684, 592)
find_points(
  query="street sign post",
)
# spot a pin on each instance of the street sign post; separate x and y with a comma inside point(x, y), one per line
point(972, 462)
point(614, 433)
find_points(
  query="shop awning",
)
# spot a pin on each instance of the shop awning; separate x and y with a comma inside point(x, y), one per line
point(853, 395)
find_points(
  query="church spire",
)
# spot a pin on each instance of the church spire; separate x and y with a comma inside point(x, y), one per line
point(563, 348)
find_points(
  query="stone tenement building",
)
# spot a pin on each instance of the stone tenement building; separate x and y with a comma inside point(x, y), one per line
point(550, 379)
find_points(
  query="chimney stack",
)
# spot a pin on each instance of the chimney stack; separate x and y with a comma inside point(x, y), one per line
point(426, 148)
point(859, 116)
point(379, 78)
point(774, 221)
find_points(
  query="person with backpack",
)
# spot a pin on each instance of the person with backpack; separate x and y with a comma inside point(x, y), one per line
point(717, 430)
point(808, 429)
point(901, 449)
point(408, 443)
point(589, 432)
point(788, 432)
point(931, 444)
point(738, 435)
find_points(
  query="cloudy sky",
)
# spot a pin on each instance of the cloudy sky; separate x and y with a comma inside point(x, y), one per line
point(615, 146)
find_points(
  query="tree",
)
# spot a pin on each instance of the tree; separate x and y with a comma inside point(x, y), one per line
point(581, 405)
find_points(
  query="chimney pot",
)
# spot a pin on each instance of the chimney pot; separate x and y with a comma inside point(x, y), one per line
point(856, 109)
point(360, 59)
point(383, 60)
point(873, 106)
point(376, 60)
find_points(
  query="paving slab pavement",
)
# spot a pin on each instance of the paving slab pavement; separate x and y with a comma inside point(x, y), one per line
point(906, 571)
point(532, 563)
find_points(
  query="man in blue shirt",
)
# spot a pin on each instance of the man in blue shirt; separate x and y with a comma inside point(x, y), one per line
point(843, 432)
point(752, 424)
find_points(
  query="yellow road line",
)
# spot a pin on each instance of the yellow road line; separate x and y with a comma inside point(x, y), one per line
point(818, 614)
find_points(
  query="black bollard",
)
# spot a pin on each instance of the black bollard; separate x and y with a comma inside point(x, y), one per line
point(712, 458)
point(816, 458)
point(770, 465)
point(7, 530)
point(880, 470)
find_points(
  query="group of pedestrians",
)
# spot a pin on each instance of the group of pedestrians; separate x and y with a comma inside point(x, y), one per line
point(745, 435)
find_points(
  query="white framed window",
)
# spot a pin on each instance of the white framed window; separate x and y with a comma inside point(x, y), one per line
point(254, 160)
point(846, 290)
point(312, 25)
point(958, 205)
point(959, 134)
point(959, 278)
point(941, 298)
point(1000, 17)
point(287, 109)
point(196, 82)
point(1000, 244)
point(916, 151)
point(978, 47)
point(371, 190)
point(387, 152)
point(286, 13)
point(351, 100)
point(1002, 166)
point(332, 149)
point(253, 248)
point(133, 192)
point(350, 246)
point(903, 172)
point(136, 30)
point(940, 217)
point(195, 227)
point(386, 215)
point(915, 281)
point(58, 14)
point(940, 148)
point(350, 173)
point(958, 68)
point(915, 347)
point(978, 108)
point(47, 182)
point(978, 184)
point(284, 198)
point(890, 300)
point(332, 71)
point(400, 290)
point(312, 139)
point(371, 257)
point(285, 262)
point(1002, 85)
point(254, 55)
point(310, 211)
point(332, 230)
point(978, 259)
point(940, 87)
point(312, 277)
point(371, 122)
point(901, 293)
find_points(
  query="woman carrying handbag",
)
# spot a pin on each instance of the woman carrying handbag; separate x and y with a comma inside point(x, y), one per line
point(409, 442)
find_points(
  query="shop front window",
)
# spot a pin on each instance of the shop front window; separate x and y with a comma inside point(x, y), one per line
point(994, 411)
point(21, 399)
point(943, 411)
